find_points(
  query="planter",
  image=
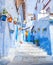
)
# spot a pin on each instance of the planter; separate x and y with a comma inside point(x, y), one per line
point(44, 29)
point(3, 17)
point(11, 31)
point(38, 29)
point(15, 22)
point(37, 42)
point(9, 19)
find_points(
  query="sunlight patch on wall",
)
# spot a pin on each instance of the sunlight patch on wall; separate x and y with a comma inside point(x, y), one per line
point(42, 14)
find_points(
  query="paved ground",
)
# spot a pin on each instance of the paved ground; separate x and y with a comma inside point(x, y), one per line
point(28, 61)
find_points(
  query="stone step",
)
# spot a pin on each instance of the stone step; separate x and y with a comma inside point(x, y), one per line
point(30, 50)
point(43, 53)
point(26, 49)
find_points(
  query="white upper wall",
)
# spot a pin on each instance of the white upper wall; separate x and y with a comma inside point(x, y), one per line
point(30, 6)
point(10, 6)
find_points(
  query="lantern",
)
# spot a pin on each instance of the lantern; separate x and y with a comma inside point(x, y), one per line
point(3, 17)
point(9, 19)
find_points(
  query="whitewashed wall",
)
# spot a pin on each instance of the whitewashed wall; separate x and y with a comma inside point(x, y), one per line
point(2, 27)
point(30, 5)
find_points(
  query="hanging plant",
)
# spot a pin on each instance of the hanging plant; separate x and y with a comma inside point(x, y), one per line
point(3, 16)
point(4, 11)
point(9, 19)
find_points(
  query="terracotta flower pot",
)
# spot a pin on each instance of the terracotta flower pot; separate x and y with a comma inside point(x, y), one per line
point(9, 19)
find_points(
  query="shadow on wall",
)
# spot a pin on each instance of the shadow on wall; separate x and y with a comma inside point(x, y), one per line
point(43, 42)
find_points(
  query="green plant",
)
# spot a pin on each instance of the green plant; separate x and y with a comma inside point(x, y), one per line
point(4, 11)
point(38, 29)
point(37, 42)
point(44, 29)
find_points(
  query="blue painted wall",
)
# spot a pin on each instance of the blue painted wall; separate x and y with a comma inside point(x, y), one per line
point(42, 23)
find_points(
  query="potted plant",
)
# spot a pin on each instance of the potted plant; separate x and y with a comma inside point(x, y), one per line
point(37, 42)
point(44, 29)
point(9, 19)
point(38, 29)
point(5, 11)
point(3, 16)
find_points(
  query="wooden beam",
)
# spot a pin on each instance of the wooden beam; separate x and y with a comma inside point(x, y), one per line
point(51, 14)
point(24, 13)
point(18, 3)
point(46, 4)
point(36, 7)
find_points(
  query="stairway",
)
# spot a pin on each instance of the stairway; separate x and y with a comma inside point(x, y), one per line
point(24, 50)
point(30, 49)
point(27, 54)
